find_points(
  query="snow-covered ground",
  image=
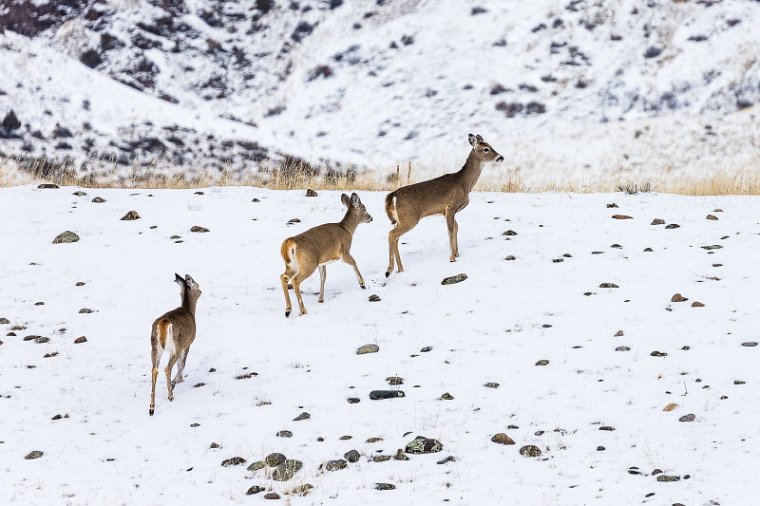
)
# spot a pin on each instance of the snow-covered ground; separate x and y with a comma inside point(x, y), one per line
point(493, 327)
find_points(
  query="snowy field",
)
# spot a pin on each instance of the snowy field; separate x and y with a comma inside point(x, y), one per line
point(596, 414)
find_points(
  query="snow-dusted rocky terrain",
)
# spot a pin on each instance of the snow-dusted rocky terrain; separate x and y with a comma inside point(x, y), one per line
point(532, 344)
point(571, 89)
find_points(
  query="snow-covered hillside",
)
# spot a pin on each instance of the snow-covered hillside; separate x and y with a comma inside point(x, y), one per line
point(565, 336)
point(208, 85)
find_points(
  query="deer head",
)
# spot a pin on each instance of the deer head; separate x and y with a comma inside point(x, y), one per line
point(484, 151)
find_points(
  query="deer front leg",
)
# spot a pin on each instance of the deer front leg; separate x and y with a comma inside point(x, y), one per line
point(350, 261)
point(154, 373)
point(168, 372)
point(178, 378)
point(390, 253)
point(322, 277)
point(297, 289)
point(452, 226)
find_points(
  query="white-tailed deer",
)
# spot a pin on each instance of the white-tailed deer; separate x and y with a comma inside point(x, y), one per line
point(446, 195)
point(319, 246)
point(174, 332)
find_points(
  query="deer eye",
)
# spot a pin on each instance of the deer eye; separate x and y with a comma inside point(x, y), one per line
point(486, 150)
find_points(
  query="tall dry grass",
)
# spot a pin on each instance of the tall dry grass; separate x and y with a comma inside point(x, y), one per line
point(298, 175)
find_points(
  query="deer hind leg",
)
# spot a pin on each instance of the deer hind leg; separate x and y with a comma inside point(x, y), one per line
point(393, 237)
point(297, 289)
point(322, 278)
point(168, 371)
point(156, 356)
point(285, 279)
point(350, 261)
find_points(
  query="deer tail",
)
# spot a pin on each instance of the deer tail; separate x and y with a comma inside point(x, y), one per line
point(288, 250)
point(165, 333)
point(390, 207)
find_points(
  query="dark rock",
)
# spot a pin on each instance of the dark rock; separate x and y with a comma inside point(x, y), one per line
point(491, 384)
point(272, 495)
point(98, 200)
point(447, 397)
point(448, 459)
point(4, 321)
point(530, 451)
point(612, 206)
point(711, 217)
point(11, 121)
point(353, 400)
point(311, 193)
point(395, 380)
point(542, 362)
point(672, 226)
point(712, 247)
point(377, 395)
point(234, 461)
point(274, 459)
point(334, 465)
point(749, 344)
point(255, 490)
point(385, 486)
point(130, 216)
point(286, 470)
point(668, 478)
point(34, 455)
point(80, 340)
point(48, 186)
point(678, 298)
point(608, 285)
point(658, 354)
point(66, 237)
point(622, 348)
point(422, 445)
point(502, 439)
point(509, 233)
point(400, 455)
point(302, 416)
point(696, 303)
point(426, 349)
point(454, 279)
point(687, 418)
point(621, 217)
point(374, 298)
point(658, 221)
point(352, 456)
point(284, 433)
point(198, 229)
point(86, 310)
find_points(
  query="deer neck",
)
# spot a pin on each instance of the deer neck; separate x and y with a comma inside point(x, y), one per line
point(350, 221)
point(470, 172)
point(189, 302)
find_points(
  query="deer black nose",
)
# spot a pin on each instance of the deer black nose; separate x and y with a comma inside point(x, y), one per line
point(499, 158)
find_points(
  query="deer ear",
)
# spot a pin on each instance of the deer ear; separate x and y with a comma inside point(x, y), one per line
point(346, 201)
point(479, 138)
point(355, 200)
point(471, 138)
point(178, 279)
point(189, 280)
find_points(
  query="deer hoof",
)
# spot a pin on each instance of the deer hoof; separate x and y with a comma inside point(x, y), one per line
point(287, 313)
point(363, 286)
point(150, 411)
point(321, 301)
point(387, 274)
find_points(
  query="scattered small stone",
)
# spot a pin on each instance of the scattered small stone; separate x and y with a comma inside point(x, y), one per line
point(50, 355)
point(286, 470)
point(352, 456)
point(502, 439)
point(57, 417)
point(39, 303)
point(274, 459)
point(381, 458)
point(345, 438)
point(98, 200)
point(509, 233)
point(696, 303)
point(668, 478)
point(385, 486)
point(215, 445)
point(616, 246)
point(711, 217)
point(377, 395)
point(79, 193)
point(426, 349)
point(47, 186)
point(284, 433)
point(334, 465)
point(530, 451)
point(293, 220)
point(395, 380)
point(491, 384)
point(672, 226)
point(447, 397)
point(42, 340)
point(353, 400)
point(302, 416)
point(234, 461)
point(600, 448)
point(621, 217)
point(86, 310)
point(311, 193)
point(374, 298)
point(255, 200)
point(423, 445)
point(740, 382)
point(670, 407)
point(448, 459)
point(66, 237)
point(130, 216)
point(607, 428)
point(648, 250)
point(373, 439)
point(34, 455)
point(510, 257)
point(400, 455)
point(608, 285)
point(658, 354)
point(658, 221)
point(255, 490)
point(272, 495)
point(612, 206)
point(712, 247)
point(619, 333)
point(199, 229)
point(542, 362)
point(749, 344)
point(557, 260)
point(678, 298)
point(451, 280)
point(80, 283)
point(4, 321)
point(302, 490)
point(80, 340)
point(367, 348)
point(688, 418)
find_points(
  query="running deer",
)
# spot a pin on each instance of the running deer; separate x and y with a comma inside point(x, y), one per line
point(174, 332)
point(319, 246)
point(446, 195)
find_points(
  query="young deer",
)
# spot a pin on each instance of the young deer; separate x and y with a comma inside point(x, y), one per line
point(319, 246)
point(446, 195)
point(174, 332)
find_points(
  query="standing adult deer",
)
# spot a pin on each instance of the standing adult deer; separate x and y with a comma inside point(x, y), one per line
point(446, 195)
point(319, 246)
point(174, 332)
